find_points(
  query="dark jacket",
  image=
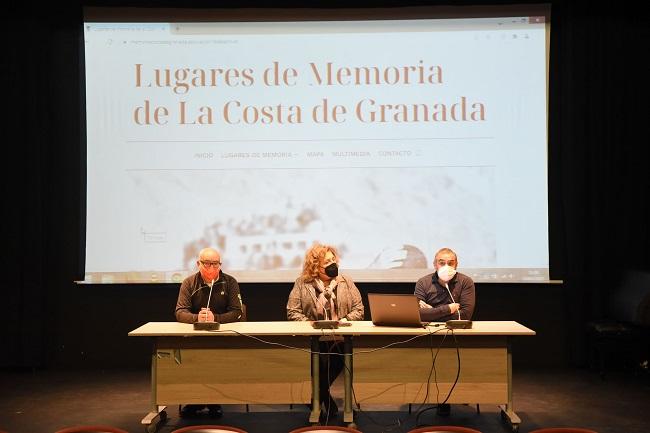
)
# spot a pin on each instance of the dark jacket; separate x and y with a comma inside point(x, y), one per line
point(429, 290)
point(225, 302)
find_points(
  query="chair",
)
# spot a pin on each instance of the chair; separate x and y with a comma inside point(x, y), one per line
point(624, 332)
point(92, 429)
point(444, 429)
point(563, 430)
point(325, 429)
point(209, 429)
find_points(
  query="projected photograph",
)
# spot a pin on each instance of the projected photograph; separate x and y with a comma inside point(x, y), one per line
point(378, 218)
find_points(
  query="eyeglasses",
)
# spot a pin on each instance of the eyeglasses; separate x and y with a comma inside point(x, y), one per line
point(207, 264)
point(442, 262)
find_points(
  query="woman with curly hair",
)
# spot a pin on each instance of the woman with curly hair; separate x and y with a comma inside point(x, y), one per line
point(320, 293)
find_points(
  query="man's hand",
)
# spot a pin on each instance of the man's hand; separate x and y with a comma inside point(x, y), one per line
point(454, 307)
point(424, 304)
point(205, 315)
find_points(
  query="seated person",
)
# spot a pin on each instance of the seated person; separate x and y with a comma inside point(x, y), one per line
point(445, 295)
point(320, 293)
point(192, 305)
point(445, 292)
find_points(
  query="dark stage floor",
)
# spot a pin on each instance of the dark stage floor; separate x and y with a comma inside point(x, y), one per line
point(44, 401)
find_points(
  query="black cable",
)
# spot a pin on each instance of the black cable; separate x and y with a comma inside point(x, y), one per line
point(455, 380)
point(361, 412)
point(434, 371)
point(334, 334)
point(273, 343)
point(420, 411)
point(400, 423)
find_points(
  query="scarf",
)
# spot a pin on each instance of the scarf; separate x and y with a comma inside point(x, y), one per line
point(322, 303)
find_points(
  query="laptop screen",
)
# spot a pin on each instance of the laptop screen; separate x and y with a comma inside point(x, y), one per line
point(394, 310)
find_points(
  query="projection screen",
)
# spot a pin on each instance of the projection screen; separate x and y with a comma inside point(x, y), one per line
point(387, 138)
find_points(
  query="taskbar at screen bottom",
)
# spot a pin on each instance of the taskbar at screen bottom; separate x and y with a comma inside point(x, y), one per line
point(395, 275)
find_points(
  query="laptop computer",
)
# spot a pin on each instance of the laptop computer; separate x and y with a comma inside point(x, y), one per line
point(395, 310)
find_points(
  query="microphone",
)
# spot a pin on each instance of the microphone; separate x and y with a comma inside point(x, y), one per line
point(458, 323)
point(207, 326)
point(207, 306)
point(204, 286)
point(452, 299)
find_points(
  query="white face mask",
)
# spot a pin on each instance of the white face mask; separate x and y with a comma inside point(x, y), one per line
point(446, 273)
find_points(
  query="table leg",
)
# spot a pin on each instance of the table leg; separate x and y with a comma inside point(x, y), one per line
point(348, 413)
point(157, 414)
point(507, 411)
point(314, 416)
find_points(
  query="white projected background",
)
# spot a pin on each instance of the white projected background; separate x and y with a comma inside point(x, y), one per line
point(387, 139)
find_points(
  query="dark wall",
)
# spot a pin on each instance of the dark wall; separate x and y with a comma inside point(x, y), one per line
point(99, 338)
point(599, 190)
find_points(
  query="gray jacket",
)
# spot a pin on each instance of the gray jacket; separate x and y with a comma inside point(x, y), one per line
point(302, 300)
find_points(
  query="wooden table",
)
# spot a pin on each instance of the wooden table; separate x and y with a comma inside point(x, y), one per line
point(480, 357)
point(277, 362)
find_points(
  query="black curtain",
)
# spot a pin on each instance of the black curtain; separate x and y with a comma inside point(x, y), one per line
point(42, 210)
point(599, 184)
point(598, 181)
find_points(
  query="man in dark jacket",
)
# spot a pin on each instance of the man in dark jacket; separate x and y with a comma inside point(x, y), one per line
point(208, 296)
point(445, 295)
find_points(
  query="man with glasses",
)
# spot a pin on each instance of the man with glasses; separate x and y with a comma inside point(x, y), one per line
point(445, 295)
point(208, 296)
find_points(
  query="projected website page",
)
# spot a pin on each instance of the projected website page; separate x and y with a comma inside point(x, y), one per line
point(386, 139)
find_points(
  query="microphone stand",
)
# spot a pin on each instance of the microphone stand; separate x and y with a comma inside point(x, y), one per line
point(207, 326)
point(457, 323)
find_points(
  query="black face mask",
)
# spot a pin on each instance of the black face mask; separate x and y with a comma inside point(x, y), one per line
point(332, 270)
